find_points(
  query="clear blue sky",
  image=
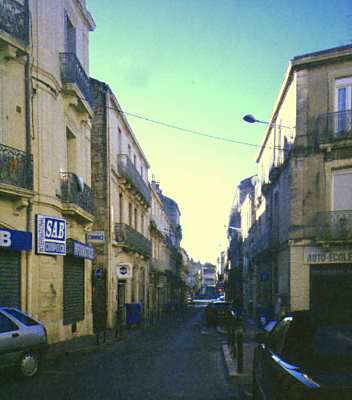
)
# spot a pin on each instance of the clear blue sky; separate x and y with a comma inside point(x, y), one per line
point(203, 64)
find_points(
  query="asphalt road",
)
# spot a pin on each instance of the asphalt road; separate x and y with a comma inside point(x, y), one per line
point(179, 360)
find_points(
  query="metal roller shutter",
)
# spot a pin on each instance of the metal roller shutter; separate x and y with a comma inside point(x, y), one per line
point(73, 304)
point(10, 278)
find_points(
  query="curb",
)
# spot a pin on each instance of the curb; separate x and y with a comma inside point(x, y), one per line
point(81, 350)
point(235, 377)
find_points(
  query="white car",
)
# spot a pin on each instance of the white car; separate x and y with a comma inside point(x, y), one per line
point(23, 341)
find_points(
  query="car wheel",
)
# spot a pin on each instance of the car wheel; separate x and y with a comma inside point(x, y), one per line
point(28, 364)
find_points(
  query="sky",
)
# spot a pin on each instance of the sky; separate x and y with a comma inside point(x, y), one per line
point(202, 65)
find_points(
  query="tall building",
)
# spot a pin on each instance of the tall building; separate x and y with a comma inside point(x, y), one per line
point(300, 240)
point(123, 200)
point(46, 201)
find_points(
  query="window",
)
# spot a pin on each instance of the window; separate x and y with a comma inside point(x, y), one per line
point(120, 208)
point(70, 36)
point(343, 102)
point(277, 338)
point(342, 190)
point(129, 151)
point(21, 317)
point(6, 325)
point(134, 160)
point(135, 218)
point(130, 214)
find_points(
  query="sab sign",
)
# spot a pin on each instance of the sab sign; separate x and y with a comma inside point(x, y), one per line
point(50, 235)
point(15, 240)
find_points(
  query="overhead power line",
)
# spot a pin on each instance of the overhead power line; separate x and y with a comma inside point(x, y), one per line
point(192, 131)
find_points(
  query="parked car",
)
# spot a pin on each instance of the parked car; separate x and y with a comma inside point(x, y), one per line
point(217, 312)
point(23, 341)
point(305, 356)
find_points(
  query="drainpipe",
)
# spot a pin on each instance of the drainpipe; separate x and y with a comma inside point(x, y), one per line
point(28, 124)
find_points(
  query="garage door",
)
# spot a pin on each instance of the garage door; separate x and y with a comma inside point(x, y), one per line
point(331, 288)
point(10, 278)
point(73, 304)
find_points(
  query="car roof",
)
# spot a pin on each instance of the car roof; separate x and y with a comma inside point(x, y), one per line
point(318, 318)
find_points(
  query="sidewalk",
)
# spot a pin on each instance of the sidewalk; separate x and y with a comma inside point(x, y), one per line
point(243, 379)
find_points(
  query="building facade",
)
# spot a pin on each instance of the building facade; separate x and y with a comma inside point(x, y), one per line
point(123, 200)
point(300, 241)
point(46, 173)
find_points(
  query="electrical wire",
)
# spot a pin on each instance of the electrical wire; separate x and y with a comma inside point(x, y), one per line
point(192, 131)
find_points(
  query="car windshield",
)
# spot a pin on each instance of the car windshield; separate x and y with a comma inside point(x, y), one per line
point(24, 319)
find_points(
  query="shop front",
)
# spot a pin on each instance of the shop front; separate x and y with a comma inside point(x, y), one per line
point(12, 243)
point(330, 275)
point(74, 281)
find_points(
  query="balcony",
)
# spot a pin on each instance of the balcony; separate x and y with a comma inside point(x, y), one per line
point(14, 20)
point(73, 73)
point(16, 167)
point(132, 240)
point(334, 126)
point(334, 225)
point(129, 172)
point(76, 192)
point(157, 265)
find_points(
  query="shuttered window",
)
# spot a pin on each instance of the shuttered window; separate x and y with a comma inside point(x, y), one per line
point(10, 278)
point(73, 304)
point(342, 190)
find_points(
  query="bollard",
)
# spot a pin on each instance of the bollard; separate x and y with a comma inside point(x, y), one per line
point(239, 340)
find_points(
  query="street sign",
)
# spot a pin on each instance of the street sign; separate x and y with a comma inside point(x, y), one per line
point(124, 271)
point(98, 272)
point(96, 237)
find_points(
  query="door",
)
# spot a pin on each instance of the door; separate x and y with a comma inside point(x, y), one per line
point(73, 302)
point(121, 300)
point(331, 288)
point(70, 36)
point(270, 371)
point(9, 339)
point(10, 278)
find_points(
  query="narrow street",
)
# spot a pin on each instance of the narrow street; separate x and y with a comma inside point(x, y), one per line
point(181, 360)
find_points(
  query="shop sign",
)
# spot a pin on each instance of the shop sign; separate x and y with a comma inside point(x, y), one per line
point(317, 255)
point(50, 235)
point(79, 249)
point(124, 271)
point(96, 237)
point(15, 240)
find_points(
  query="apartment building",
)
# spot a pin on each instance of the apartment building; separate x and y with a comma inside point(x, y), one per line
point(159, 228)
point(301, 238)
point(45, 100)
point(123, 200)
point(236, 272)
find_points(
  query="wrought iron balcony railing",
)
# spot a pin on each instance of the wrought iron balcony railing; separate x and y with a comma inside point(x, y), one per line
point(75, 191)
point(157, 265)
point(128, 171)
point(73, 72)
point(128, 237)
point(14, 20)
point(334, 126)
point(16, 167)
point(334, 225)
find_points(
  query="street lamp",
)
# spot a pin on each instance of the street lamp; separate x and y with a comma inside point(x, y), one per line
point(251, 120)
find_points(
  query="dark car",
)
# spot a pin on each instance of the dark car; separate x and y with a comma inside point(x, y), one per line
point(305, 356)
point(217, 312)
point(23, 341)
